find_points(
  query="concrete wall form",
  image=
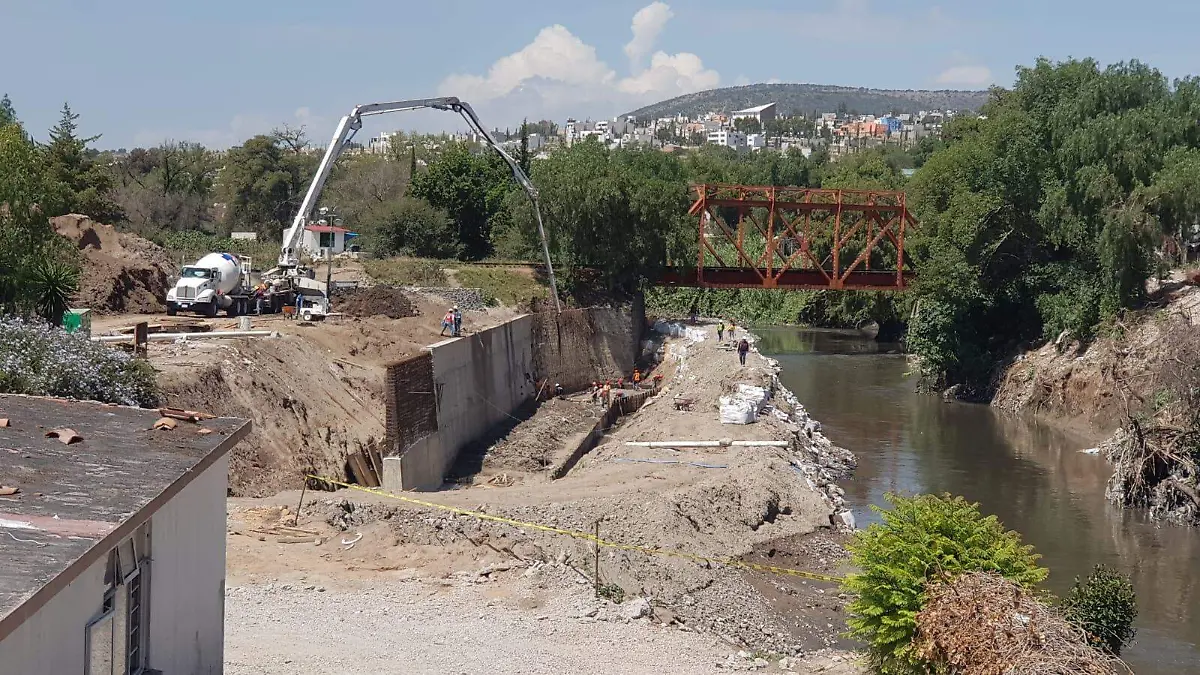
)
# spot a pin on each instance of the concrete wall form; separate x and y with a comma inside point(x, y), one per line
point(581, 345)
point(479, 380)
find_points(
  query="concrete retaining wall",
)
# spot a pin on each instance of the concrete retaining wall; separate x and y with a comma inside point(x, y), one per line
point(479, 380)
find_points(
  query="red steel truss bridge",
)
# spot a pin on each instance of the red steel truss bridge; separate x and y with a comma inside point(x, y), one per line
point(798, 238)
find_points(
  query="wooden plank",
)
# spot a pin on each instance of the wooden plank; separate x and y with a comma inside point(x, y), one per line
point(364, 469)
point(352, 471)
point(376, 462)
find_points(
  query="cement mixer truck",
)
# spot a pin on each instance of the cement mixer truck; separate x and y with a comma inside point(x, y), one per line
point(224, 282)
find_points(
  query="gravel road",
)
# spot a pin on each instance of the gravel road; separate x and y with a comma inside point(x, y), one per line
point(418, 627)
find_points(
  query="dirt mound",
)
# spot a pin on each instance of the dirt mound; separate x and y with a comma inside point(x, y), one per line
point(980, 624)
point(375, 301)
point(121, 272)
point(305, 419)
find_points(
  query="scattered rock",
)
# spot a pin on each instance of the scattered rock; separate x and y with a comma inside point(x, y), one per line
point(634, 609)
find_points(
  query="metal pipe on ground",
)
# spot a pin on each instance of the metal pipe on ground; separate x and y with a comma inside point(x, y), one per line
point(171, 337)
point(724, 442)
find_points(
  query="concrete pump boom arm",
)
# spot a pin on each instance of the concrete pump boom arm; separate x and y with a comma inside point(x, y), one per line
point(350, 124)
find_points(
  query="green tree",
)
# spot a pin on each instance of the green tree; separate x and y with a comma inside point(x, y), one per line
point(85, 184)
point(471, 188)
point(413, 227)
point(920, 539)
point(32, 257)
point(523, 155)
point(7, 114)
point(263, 182)
point(364, 184)
point(167, 187)
point(615, 214)
point(1043, 215)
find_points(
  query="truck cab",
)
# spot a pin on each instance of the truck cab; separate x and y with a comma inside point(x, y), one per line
point(195, 289)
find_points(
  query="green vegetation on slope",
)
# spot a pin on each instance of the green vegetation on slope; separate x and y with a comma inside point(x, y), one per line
point(805, 99)
point(1046, 216)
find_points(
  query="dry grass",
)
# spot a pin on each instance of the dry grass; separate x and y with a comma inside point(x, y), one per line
point(984, 624)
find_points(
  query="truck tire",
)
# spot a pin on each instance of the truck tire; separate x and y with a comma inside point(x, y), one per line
point(306, 315)
point(171, 309)
point(210, 310)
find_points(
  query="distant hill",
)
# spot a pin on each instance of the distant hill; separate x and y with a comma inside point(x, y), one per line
point(805, 98)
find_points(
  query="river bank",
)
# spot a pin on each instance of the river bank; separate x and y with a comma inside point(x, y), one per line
point(676, 512)
point(1030, 473)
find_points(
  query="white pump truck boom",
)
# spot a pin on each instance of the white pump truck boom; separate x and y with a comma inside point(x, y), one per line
point(203, 286)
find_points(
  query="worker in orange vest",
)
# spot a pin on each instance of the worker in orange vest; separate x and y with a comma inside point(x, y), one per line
point(637, 378)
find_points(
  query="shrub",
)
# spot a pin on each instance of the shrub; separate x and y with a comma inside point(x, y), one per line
point(921, 539)
point(1104, 605)
point(41, 360)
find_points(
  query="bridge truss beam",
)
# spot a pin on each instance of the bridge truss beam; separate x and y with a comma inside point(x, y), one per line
point(799, 238)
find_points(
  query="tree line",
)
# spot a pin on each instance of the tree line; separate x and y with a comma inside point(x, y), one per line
point(1045, 214)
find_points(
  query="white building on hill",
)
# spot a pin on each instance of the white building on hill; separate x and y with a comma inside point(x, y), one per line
point(730, 138)
point(763, 113)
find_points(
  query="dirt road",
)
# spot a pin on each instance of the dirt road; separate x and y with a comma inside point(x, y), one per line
point(464, 626)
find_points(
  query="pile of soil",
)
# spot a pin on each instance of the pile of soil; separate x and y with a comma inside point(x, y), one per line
point(121, 272)
point(375, 301)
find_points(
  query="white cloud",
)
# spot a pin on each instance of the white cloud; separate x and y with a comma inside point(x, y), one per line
point(558, 74)
point(966, 76)
point(648, 23)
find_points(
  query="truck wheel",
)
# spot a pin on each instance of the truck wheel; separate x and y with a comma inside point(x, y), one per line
point(307, 316)
point(171, 309)
point(211, 310)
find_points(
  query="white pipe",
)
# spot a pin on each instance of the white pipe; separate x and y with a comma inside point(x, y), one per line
point(708, 444)
point(171, 337)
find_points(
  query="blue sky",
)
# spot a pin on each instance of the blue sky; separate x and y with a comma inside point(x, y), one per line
point(218, 71)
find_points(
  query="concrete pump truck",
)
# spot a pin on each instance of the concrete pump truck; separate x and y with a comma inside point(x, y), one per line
point(224, 282)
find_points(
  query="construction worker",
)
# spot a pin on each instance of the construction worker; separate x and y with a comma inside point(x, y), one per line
point(558, 390)
point(621, 382)
point(743, 349)
point(595, 392)
point(447, 323)
point(721, 330)
point(457, 320)
point(658, 378)
point(637, 378)
point(606, 392)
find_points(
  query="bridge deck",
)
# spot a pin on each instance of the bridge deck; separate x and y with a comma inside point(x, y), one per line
point(795, 279)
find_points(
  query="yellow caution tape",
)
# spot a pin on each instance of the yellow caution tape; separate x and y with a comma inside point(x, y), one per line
point(728, 562)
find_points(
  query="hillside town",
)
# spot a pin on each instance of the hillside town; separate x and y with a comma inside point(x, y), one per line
point(748, 130)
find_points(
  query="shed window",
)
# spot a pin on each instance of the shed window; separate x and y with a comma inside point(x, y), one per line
point(327, 239)
point(116, 638)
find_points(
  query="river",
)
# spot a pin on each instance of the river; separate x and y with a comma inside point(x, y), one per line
point(1031, 475)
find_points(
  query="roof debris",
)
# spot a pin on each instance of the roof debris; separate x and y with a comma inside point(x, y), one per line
point(65, 436)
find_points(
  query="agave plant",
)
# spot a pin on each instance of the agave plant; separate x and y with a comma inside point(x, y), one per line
point(51, 284)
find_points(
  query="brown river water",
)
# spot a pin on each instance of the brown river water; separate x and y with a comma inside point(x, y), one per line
point(1028, 473)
